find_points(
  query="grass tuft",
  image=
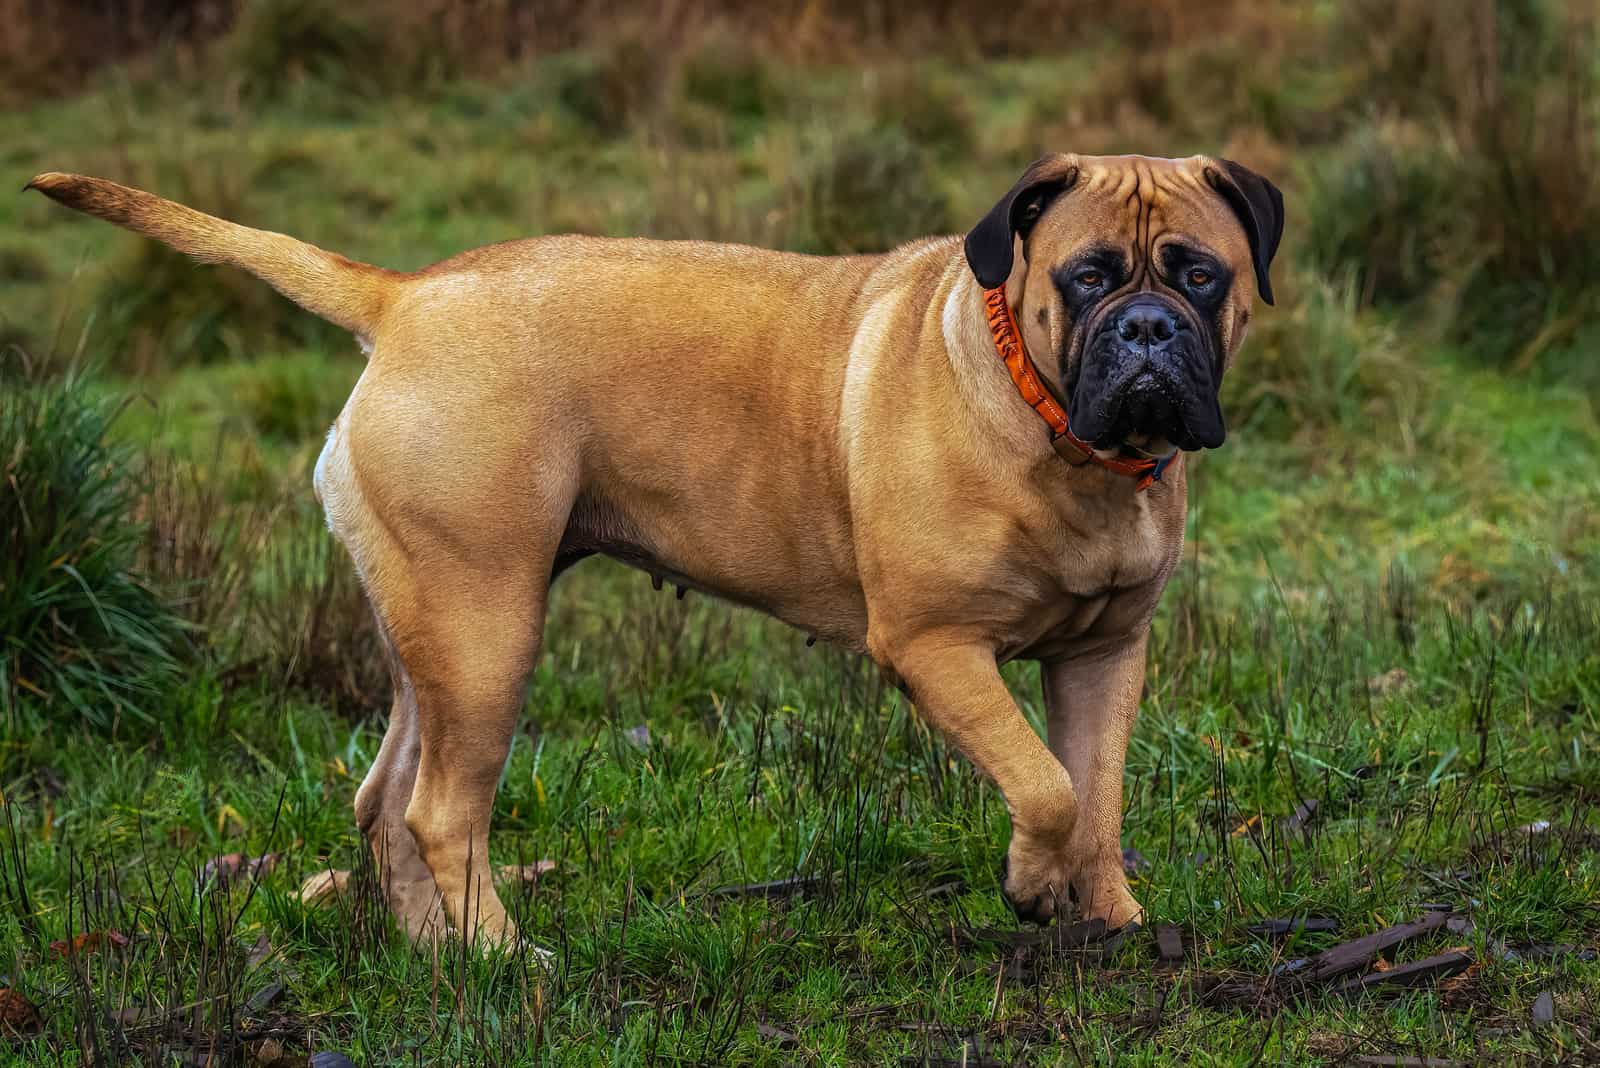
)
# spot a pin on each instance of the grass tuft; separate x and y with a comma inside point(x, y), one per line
point(85, 636)
point(865, 189)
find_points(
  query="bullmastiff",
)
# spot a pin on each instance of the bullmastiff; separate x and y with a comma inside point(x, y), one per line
point(954, 454)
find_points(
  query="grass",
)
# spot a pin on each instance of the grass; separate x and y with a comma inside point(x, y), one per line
point(1387, 605)
point(767, 761)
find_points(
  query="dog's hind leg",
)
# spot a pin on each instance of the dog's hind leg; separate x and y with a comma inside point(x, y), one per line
point(408, 886)
point(469, 651)
point(466, 620)
point(457, 564)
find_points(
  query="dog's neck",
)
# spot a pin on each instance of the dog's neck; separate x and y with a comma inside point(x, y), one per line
point(989, 399)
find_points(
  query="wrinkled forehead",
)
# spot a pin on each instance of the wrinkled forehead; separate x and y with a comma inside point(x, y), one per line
point(1138, 203)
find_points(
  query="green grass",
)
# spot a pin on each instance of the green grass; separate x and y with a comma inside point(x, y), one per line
point(1392, 498)
point(766, 761)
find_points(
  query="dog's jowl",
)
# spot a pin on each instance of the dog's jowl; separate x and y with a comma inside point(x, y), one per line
point(961, 452)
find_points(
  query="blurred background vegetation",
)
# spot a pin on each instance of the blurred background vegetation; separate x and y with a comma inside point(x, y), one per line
point(1422, 400)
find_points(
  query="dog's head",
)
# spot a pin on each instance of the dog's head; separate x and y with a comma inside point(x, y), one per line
point(1136, 277)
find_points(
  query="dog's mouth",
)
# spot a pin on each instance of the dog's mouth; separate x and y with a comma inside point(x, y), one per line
point(1146, 396)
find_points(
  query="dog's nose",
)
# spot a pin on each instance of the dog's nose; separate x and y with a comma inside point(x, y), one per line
point(1146, 322)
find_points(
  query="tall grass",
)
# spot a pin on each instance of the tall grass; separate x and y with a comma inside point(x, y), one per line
point(1484, 194)
point(84, 632)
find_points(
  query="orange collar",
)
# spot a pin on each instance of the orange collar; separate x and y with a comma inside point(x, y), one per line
point(1070, 447)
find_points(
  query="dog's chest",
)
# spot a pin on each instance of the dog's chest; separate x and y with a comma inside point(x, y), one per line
point(1098, 578)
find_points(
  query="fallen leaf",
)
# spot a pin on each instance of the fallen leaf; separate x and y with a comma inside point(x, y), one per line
point(268, 1051)
point(88, 942)
point(1544, 1009)
point(526, 873)
point(225, 869)
point(323, 885)
point(1250, 826)
point(18, 1015)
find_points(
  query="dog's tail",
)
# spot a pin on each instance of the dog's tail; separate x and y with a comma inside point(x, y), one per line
point(352, 295)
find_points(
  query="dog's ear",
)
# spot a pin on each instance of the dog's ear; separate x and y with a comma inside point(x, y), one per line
point(1259, 206)
point(989, 244)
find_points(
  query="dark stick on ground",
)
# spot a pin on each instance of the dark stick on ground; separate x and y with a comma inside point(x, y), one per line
point(1282, 926)
point(1358, 953)
point(794, 887)
point(1169, 943)
point(1412, 974)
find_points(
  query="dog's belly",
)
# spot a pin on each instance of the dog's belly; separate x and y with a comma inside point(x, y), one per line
point(750, 561)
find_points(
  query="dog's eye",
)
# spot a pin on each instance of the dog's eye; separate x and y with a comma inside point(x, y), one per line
point(1199, 279)
point(1090, 279)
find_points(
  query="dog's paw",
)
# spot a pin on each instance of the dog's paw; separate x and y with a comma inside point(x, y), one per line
point(1035, 894)
point(1041, 889)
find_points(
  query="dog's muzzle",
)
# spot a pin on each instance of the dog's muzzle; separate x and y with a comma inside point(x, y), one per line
point(1148, 372)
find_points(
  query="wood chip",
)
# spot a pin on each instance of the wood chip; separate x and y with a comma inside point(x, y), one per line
point(1415, 973)
point(783, 1038)
point(262, 999)
point(1358, 953)
point(131, 1016)
point(1304, 815)
point(1283, 926)
point(1084, 935)
point(258, 953)
point(1169, 943)
point(331, 1060)
point(776, 888)
point(323, 886)
point(965, 1060)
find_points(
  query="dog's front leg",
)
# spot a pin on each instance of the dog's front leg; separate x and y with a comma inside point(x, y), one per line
point(1093, 701)
point(957, 687)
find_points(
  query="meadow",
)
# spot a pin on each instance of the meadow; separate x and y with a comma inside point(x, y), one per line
point(1374, 687)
